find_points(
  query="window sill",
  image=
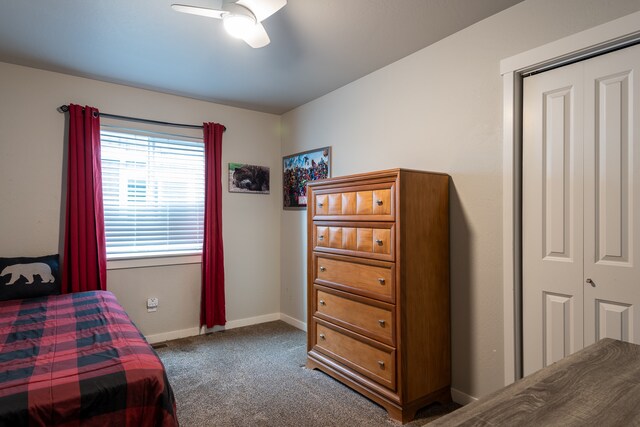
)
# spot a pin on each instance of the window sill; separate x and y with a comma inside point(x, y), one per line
point(116, 263)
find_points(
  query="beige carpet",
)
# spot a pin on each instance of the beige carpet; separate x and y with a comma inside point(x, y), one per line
point(255, 376)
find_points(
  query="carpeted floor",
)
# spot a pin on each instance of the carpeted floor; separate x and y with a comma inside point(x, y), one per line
point(255, 376)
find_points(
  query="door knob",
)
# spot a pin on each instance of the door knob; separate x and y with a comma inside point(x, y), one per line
point(591, 282)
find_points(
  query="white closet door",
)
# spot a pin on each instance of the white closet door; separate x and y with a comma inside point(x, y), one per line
point(552, 216)
point(581, 206)
point(612, 196)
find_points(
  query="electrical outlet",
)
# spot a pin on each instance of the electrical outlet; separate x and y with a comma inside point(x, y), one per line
point(152, 304)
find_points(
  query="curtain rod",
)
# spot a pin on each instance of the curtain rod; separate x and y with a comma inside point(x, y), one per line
point(65, 108)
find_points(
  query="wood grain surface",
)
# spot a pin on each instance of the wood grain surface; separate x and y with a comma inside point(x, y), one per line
point(378, 286)
point(370, 278)
point(599, 385)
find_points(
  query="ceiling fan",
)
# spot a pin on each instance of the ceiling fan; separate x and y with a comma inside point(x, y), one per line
point(242, 18)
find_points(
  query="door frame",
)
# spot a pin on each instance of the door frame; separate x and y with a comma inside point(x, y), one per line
point(613, 35)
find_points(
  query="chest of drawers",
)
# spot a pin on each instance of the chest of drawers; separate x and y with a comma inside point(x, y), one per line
point(378, 286)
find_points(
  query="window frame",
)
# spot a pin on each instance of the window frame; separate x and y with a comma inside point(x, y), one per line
point(151, 259)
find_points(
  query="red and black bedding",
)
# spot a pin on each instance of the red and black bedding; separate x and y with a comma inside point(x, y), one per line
point(77, 359)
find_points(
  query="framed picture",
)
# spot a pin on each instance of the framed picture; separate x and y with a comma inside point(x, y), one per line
point(299, 168)
point(245, 178)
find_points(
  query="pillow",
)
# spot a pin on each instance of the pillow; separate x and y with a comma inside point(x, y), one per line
point(29, 277)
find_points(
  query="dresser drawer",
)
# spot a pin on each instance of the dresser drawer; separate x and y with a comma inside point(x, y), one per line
point(372, 279)
point(376, 361)
point(362, 315)
point(356, 203)
point(372, 240)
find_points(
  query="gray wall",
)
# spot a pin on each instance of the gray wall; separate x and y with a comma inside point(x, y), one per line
point(32, 138)
point(440, 109)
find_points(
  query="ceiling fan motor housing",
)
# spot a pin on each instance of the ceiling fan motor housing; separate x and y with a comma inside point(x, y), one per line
point(237, 20)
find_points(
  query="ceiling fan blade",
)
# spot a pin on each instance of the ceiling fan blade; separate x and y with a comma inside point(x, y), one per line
point(258, 37)
point(202, 11)
point(262, 9)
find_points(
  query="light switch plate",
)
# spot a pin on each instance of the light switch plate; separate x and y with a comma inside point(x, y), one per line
point(152, 304)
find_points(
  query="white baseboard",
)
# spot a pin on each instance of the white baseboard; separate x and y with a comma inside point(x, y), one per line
point(172, 335)
point(462, 398)
point(232, 324)
point(293, 322)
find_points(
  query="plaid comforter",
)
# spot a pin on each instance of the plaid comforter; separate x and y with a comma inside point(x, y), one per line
point(77, 359)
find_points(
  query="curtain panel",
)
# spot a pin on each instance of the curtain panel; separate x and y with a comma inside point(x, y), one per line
point(85, 255)
point(212, 310)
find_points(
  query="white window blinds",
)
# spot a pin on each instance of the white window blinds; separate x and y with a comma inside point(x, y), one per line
point(153, 189)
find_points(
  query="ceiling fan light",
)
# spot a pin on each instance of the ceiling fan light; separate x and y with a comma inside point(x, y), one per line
point(238, 25)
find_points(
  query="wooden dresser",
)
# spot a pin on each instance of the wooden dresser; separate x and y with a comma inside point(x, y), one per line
point(378, 286)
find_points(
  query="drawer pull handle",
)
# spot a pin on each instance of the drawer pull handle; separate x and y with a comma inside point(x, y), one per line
point(323, 268)
point(321, 237)
point(322, 336)
point(322, 302)
point(320, 204)
point(379, 242)
point(379, 202)
point(381, 363)
point(381, 280)
point(381, 322)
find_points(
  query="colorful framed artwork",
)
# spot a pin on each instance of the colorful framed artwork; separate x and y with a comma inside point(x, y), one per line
point(245, 178)
point(299, 168)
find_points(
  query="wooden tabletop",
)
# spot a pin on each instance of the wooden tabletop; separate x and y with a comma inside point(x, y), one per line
point(599, 385)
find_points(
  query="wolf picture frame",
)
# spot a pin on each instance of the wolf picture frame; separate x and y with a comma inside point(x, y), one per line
point(251, 179)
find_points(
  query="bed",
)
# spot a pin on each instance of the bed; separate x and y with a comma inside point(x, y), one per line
point(77, 359)
point(599, 385)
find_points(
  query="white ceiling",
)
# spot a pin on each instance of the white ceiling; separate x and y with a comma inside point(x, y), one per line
point(316, 45)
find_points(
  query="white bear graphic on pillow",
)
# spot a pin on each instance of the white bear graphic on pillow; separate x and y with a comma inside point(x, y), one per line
point(28, 271)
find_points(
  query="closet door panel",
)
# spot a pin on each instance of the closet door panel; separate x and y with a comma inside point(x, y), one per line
point(552, 216)
point(612, 196)
point(614, 320)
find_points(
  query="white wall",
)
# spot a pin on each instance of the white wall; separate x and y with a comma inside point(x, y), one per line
point(32, 139)
point(439, 109)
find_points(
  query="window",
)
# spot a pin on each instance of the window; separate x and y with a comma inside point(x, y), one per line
point(153, 189)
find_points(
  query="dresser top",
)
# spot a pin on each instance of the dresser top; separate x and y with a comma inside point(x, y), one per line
point(388, 173)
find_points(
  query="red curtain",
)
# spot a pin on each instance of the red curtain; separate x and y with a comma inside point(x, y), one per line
point(85, 254)
point(212, 309)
